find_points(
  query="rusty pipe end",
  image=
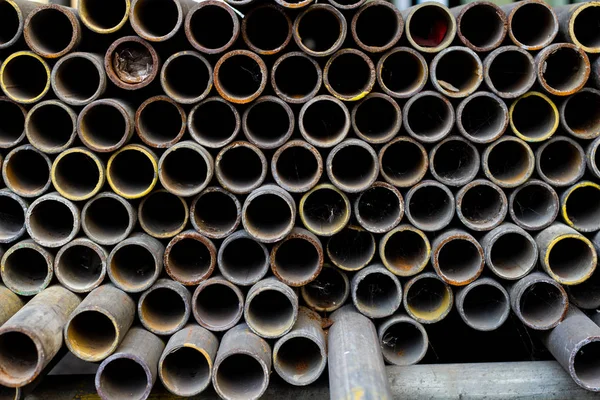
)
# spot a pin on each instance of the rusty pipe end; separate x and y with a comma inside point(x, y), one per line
point(298, 258)
point(376, 292)
point(427, 298)
point(241, 167)
point(123, 60)
point(532, 24)
point(104, 17)
point(132, 171)
point(418, 121)
point(50, 126)
point(560, 161)
point(328, 292)
point(108, 219)
point(52, 30)
point(324, 210)
point(242, 259)
point(534, 205)
point(352, 166)
point(403, 340)
point(429, 205)
point(482, 117)
point(267, 29)
point(509, 71)
point(217, 304)
point(240, 76)
point(27, 268)
point(413, 78)
point(105, 125)
point(405, 250)
point(377, 118)
point(358, 65)
point(52, 220)
point(156, 21)
point(216, 213)
point(562, 68)
point(185, 169)
point(214, 122)
point(481, 26)
point(324, 121)
point(379, 208)
point(269, 214)
point(165, 308)
point(352, 248)
point(481, 205)
point(78, 78)
point(13, 126)
point(14, 208)
point(457, 257)
point(377, 26)
point(579, 114)
point(456, 71)
point(268, 122)
point(212, 27)
point(296, 77)
point(26, 171)
point(580, 208)
point(576, 27)
point(162, 214)
point(320, 30)
point(483, 305)
point(190, 258)
point(422, 20)
point(508, 162)
point(25, 77)
point(78, 174)
point(403, 162)
point(160, 122)
point(80, 265)
point(186, 77)
point(297, 166)
point(510, 252)
point(454, 161)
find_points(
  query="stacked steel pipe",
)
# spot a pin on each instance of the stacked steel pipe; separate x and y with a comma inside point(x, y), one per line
point(196, 191)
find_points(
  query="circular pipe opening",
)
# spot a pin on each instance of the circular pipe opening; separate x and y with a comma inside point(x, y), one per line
point(328, 291)
point(376, 119)
point(513, 255)
point(351, 249)
point(103, 126)
point(485, 306)
point(26, 171)
point(123, 377)
point(19, 357)
point(571, 258)
point(410, 81)
point(405, 252)
point(430, 26)
point(377, 294)
point(534, 206)
point(403, 343)
point(185, 169)
point(215, 213)
point(296, 77)
point(162, 310)
point(324, 122)
point(325, 210)
point(211, 28)
point(563, 70)
point(379, 208)
point(160, 122)
point(268, 216)
point(104, 16)
point(349, 75)
point(190, 260)
point(510, 72)
point(186, 371)
point(352, 166)
point(107, 220)
point(267, 29)
point(403, 162)
point(582, 207)
point(26, 270)
point(296, 260)
point(585, 29)
point(482, 206)
point(320, 30)
point(133, 266)
point(454, 162)
point(268, 123)
point(428, 117)
point(50, 125)
point(91, 335)
point(459, 260)
point(217, 306)
point(482, 118)
point(241, 167)
point(428, 298)
point(132, 172)
point(52, 222)
point(240, 76)
point(542, 304)
point(214, 123)
point(377, 26)
point(50, 31)
point(25, 77)
point(430, 206)
point(131, 63)
point(240, 376)
point(456, 72)
point(300, 359)
point(482, 27)
point(12, 123)
point(243, 260)
point(270, 312)
point(77, 174)
point(533, 25)
point(78, 80)
point(297, 166)
point(581, 114)
point(561, 162)
point(509, 162)
point(156, 19)
point(11, 23)
point(80, 267)
point(586, 364)
point(163, 214)
point(186, 77)
point(12, 218)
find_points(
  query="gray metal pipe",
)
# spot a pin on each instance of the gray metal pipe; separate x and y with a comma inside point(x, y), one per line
point(242, 366)
point(428, 116)
point(211, 27)
point(324, 121)
point(510, 252)
point(534, 205)
point(575, 27)
point(593, 160)
point(483, 305)
point(132, 370)
point(481, 205)
point(186, 77)
point(106, 125)
point(108, 219)
point(269, 214)
point(232, 80)
point(352, 248)
point(580, 207)
point(14, 208)
point(585, 295)
point(268, 122)
point(325, 210)
point(297, 166)
point(352, 166)
point(13, 127)
point(456, 71)
point(430, 206)
point(190, 258)
point(214, 122)
point(27, 268)
point(405, 250)
point(532, 24)
point(78, 78)
point(242, 259)
point(131, 63)
point(377, 26)
point(52, 30)
point(80, 265)
point(102, 17)
point(376, 292)
point(429, 27)
point(562, 68)
point(99, 324)
point(320, 30)
point(403, 162)
point(414, 72)
point(217, 304)
point(162, 214)
point(379, 208)
point(25, 77)
point(403, 340)
point(482, 117)
point(427, 298)
point(296, 77)
point(32, 337)
point(508, 162)
point(579, 115)
point(78, 174)
point(457, 257)
point(328, 292)
point(539, 301)
point(160, 122)
point(148, 18)
point(216, 213)
point(185, 367)
point(300, 356)
point(481, 26)
point(534, 117)
point(356, 366)
point(14, 13)
point(509, 71)
point(454, 161)
point(377, 118)
point(298, 258)
point(26, 171)
point(271, 308)
point(50, 126)
point(52, 220)
point(185, 169)
point(165, 308)
point(241, 167)
point(354, 62)
point(560, 161)
point(266, 29)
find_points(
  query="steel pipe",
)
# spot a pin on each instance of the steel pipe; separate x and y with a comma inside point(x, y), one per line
point(243, 260)
point(585, 295)
point(413, 72)
point(356, 365)
point(481, 26)
point(13, 125)
point(509, 71)
point(26, 171)
point(217, 304)
point(428, 117)
point(328, 292)
point(349, 75)
point(566, 255)
point(403, 340)
point(532, 24)
point(483, 305)
point(377, 26)
point(482, 117)
point(106, 125)
point(186, 77)
point(376, 292)
point(454, 161)
point(33, 336)
point(457, 257)
point(212, 27)
point(160, 122)
point(78, 174)
point(185, 169)
point(185, 367)
point(50, 126)
point(25, 77)
point(52, 220)
point(405, 250)
point(297, 166)
point(214, 122)
point(240, 167)
point(296, 77)
point(240, 76)
point(562, 68)
point(324, 121)
point(593, 158)
point(271, 308)
point(132, 370)
point(429, 206)
point(580, 208)
point(27, 268)
point(481, 205)
point(352, 248)
point(534, 117)
point(242, 366)
point(131, 63)
point(456, 71)
point(52, 30)
point(300, 356)
point(190, 258)
point(377, 118)
point(298, 258)
point(429, 27)
point(324, 210)
point(427, 298)
point(135, 263)
point(579, 115)
point(508, 162)
point(268, 122)
point(108, 219)
point(11, 303)
point(267, 29)
point(269, 214)
point(158, 21)
point(14, 13)
point(576, 26)
point(320, 30)
point(510, 252)
point(80, 265)
point(104, 17)
point(132, 171)
point(78, 78)
point(99, 324)
point(12, 223)
point(216, 213)
point(352, 166)
point(165, 308)
point(403, 162)
point(560, 161)
point(533, 205)
point(379, 208)
point(575, 343)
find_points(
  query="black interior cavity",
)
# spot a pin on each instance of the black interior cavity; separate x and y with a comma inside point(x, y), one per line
point(185, 170)
point(535, 205)
point(511, 71)
point(300, 359)
point(269, 214)
point(186, 369)
point(268, 123)
point(240, 376)
point(377, 291)
point(187, 77)
point(104, 126)
point(429, 25)
point(351, 248)
point(9, 22)
point(91, 334)
point(482, 26)
point(565, 69)
point(583, 207)
point(214, 122)
point(379, 207)
point(485, 306)
point(459, 260)
point(513, 255)
point(406, 251)
point(562, 162)
point(77, 174)
point(122, 378)
point(429, 117)
point(216, 212)
point(377, 118)
point(571, 259)
point(163, 309)
point(428, 297)
point(582, 113)
point(25, 77)
point(12, 217)
point(404, 162)
point(50, 126)
point(270, 311)
point(211, 26)
point(50, 31)
point(587, 364)
point(542, 304)
point(163, 213)
point(319, 29)
point(297, 166)
point(325, 209)
point(353, 166)
point(297, 260)
point(509, 161)
point(403, 343)
point(104, 14)
point(482, 205)
point(51, 221)
point(161, 122)
point(533, 24)
point(80, 266)
point(431, 206)
point(78, 79)
point(586, 28)
point(27, 170)
point(267, 28)
point(377, 25)
point(26, 269)
point(456, 160)
point(132, 172)
point(296, 76)
point(402, 72)
point(189, 259)
point(349, 74)
point(217, 305)
point(483, 118)
point(240, 76)
point(106, 218)
point(12, 123)
point(244, 259)
point(325, 121)
point(18, 356)
point(133, 266)
point(458, 71)
point(156, 18)
point(241, 167)
point(328, 291)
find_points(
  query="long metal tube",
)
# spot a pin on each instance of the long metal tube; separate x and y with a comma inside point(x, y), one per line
point(320, 30)
point(214, 122)
point(428, 116)
point(534, 205)
point(190, 258)
point(186, 77)
point(482, 117)
point(99, 324)
point(297, 166)
point(532, 24)
point(26, 171)
point(268, 122)
point(271, 308)
point(580, 208)
point(510, 252)
point(27, 268)
point(240, 167)
point(78, 78)
point(296, 77)
point(403, 340)
point(52, 220)
point(379, 208)
point(324, 210)
point(349, 62)
point(427, 298)
point(454, 161)
point(34, 335)
point(132, 370)
point(25, 77)
point(508, 162)
point(132, 171)
point(163, 215)
point(579, 115)
point(356, 366)
point(217, 304)
point(456, 71)
point(481, 26)
point(352, 248)
point(80, 265)
point(50, 126)
point(405, 170)
point(242, 259)
point(534, 117)
point(108, 219)
point(104, 17)
point(575, 27)
point(377, 26)
point(212, 27)
point(377, 118)
point(165, 308)
point(481, 205)
point(106, 125)
point(562, 68)
point(269, 214)
point(131, 63)
point(186, 365)
point(352, 166)
point(14, 13)
point(405, 250)
point(457, 257)
point(298, 258)
point(483, 305)
point(429, 27)
point(13, 127)
point(158, 21)
point(52, 30)
point(376, 292)
point(414, 72)
point(78, 174)
point(560, 161)
point(135, 263)
point(185, 169)
point(328, 292)
point(160, 122)
point(267, 29)
point(14, 208)
point(240, 76)
point(509, 71)
point(429, 206)
point(300, 356)
point(216, 213)
point(324, 121)
point(242, 366)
